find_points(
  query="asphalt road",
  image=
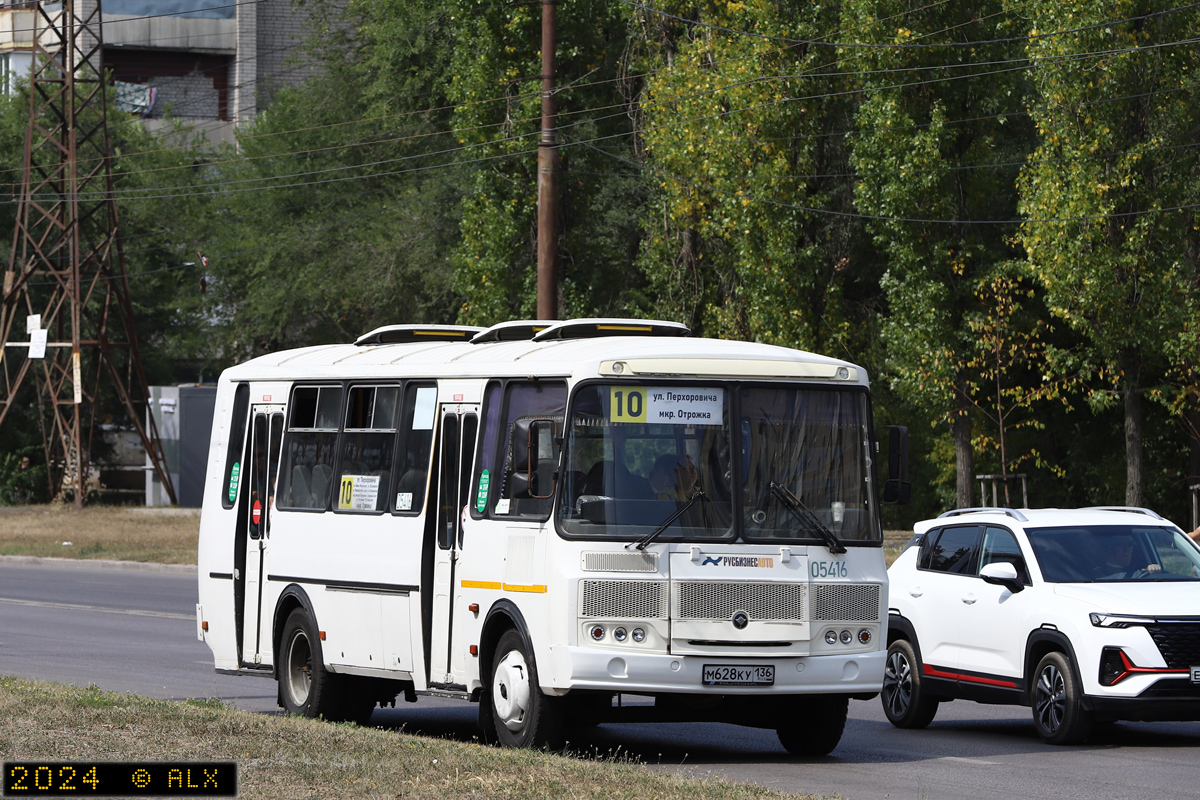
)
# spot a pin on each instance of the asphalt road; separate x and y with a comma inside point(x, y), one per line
point(134, 631)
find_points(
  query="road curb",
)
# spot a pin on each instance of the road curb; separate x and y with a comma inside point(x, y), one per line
point(96, 563)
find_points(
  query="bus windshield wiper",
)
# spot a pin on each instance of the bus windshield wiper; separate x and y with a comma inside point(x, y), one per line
point(794, 505)
point(666, 523)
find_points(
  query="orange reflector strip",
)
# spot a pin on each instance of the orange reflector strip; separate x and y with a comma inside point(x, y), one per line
point(474, 650)
point(204, 625)
point(473, 608)
point(482, 585)
point(321, 635)
point(508, 587)
point(623, 328)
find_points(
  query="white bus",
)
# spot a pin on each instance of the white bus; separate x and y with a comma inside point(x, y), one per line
point(568, 523)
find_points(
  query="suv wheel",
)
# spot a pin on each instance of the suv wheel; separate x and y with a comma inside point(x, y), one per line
point(904, 700)
point(1057, 712)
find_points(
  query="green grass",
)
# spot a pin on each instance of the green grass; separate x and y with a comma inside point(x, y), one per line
point(289, 757)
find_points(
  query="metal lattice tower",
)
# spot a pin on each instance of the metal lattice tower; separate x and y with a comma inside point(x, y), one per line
point(67, 272)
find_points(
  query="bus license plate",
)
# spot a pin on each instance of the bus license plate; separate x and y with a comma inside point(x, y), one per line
point(730, 675)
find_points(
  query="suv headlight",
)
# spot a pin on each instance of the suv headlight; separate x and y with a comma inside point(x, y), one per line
point(1118, 620)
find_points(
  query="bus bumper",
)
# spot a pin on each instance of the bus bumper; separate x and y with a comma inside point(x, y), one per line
point(587, 668)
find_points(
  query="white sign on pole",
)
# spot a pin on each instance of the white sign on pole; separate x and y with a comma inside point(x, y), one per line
point(37, 343)
point(78, 378)
point(33, 322)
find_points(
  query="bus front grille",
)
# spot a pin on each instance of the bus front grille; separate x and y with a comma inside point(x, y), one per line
point(715, 600)
point(623, 599)
point(845, 602)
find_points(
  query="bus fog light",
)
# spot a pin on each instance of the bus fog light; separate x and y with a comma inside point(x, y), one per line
point(638, 635)
point(847, 637)
point(619, 634)
point(864, 636)
point(597, 632)
point(830, 637)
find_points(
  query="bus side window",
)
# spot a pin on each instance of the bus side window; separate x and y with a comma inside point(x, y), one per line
point(368, 445)
point(307, 476)
point(412, 459)
point(237, 436)
point(534, 415)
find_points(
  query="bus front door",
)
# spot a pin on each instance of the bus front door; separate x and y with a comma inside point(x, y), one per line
point(266, 431)
point(459, 424)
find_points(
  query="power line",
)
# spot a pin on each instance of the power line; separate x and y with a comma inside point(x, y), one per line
point(880, 218)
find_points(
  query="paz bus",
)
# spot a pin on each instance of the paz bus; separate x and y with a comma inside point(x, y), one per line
point(567, 523)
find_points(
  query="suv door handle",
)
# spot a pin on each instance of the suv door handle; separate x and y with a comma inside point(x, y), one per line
point(969, 599)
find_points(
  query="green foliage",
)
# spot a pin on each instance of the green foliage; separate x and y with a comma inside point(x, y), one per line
point(738, 141)
point(21, 481)
point(497, 89)
point(1117, 130)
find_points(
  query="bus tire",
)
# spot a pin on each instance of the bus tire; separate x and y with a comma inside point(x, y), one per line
point(818, 729)
point(306, 688)
point(523, 715)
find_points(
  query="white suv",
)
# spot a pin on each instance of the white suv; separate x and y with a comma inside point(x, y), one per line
point(1086, 615)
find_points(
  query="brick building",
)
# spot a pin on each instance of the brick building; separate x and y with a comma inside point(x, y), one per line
point(212, 63)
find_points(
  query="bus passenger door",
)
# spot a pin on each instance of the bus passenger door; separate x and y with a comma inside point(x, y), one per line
point(266, 431)
point(459, 424)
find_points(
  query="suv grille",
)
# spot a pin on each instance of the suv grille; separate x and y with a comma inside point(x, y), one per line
point(762, 601)
point(1179, 643)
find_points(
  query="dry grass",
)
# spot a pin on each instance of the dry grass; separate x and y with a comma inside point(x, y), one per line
point(280, 757)
point(165, 536)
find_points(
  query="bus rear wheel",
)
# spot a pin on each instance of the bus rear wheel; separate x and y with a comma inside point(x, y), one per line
point(523, 716)
point(306, 688)
point(817, 727)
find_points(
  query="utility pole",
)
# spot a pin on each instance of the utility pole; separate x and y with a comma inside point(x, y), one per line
point(66, 323)
point(547, 266)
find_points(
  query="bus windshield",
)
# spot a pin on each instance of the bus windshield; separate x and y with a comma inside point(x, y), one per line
point(718, 461)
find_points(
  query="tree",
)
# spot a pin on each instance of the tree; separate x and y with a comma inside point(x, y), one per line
point(937, 129)
point(497, 91)
point(749, 234)
point(1116, 108)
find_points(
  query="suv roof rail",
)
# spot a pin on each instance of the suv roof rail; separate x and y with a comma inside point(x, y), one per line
point(1011, 512)
point(1130, 509)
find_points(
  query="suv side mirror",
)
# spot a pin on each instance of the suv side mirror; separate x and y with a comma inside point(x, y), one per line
point(534, 458)
point(896, 489)
point(1002, 573)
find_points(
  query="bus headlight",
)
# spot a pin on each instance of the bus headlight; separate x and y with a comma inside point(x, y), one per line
point(619, 634)
point(597, 632)
point(830, 637)
point(638, 635)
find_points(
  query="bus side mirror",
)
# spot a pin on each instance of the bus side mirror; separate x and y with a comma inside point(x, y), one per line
point(534, 459)
point(897, 488)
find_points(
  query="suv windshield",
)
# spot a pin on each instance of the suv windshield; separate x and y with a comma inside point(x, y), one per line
point(1114, 554)
point(774, 463)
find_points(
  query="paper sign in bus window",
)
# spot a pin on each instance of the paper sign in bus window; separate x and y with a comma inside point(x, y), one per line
point(423, 410)
point(666, 405)
point(358, 492)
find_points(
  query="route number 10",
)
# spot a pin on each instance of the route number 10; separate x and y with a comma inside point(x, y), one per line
point(627, 404)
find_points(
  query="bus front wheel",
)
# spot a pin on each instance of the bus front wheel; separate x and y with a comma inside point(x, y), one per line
point(305, 687)
point(818, 728)
point(523, 716)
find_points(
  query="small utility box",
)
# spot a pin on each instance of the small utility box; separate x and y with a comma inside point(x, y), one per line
point(184, 416)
